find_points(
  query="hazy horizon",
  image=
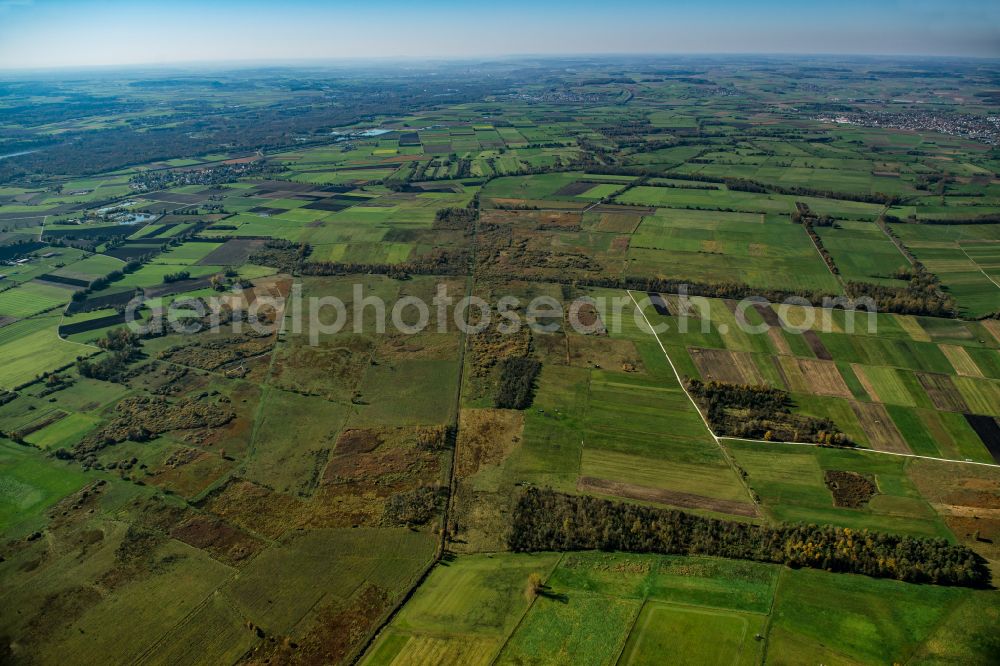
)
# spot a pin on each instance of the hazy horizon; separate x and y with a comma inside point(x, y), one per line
point(41, 34)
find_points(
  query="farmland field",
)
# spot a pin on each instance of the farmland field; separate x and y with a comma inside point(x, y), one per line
point(32, 298)
point(29, 485)
point(692, 610)
point(33, 346)
point(709, 246)
point(587, 360)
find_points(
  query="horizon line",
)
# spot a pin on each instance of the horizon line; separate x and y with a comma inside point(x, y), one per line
point(290, 62)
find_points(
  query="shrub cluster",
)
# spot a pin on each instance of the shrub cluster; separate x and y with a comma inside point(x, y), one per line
point(123, 347)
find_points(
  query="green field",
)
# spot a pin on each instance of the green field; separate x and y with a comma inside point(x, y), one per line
point(33, 297)
point(33, 346)
point(635, 609)
point(688, 636)
point(789, 481)
point(94, 266)
point(309, 494)
point(711, 246)
point(30, 484)
point(862, 252)
point(186, 254)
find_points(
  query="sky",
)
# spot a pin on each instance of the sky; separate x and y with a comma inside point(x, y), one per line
point(64, 33)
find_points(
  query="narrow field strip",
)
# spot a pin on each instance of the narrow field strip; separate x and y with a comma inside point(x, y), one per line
point(718, 439)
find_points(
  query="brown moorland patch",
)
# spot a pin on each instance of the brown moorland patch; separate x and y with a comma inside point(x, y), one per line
point(968, 497)
point(354, 440)
point(332, 369)
point(223, 541)
point(620, 244)
point(608, 353)
point(618, 223)
point(552, 348)
point(373, 468)
point(344, 506)
point(166, 379)
point(257, 509)
point(333, 635)
point(486, 437)
point(191, 475)
point(425, 345)
point(535, 255)
point(490, 346)
point(75, 505)
point(403, 458)
point(558, 221)
point(233, 438)
point(211, 351)
point(139, 418)
point(155, 513)
point(588, 317)
point(53, 612)
point(480, 519)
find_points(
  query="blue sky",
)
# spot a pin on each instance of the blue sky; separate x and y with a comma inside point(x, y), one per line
point(53, 33)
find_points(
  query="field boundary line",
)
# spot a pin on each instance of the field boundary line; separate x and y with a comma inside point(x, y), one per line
point(976, 264)
point(62, 318)
point(884, 228)
point(725, 454)
point(677, 375)
point(520, 620)
point(956, 605)
point(631, 628)
point(768, 623)
point(864, 450)
point(813, 235)
point(718, 438)
point(440, 550)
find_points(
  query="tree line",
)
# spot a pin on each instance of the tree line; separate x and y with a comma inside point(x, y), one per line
point(915, 298)
point(438, 262)
point(545, 520)
point(988, 218)
point(746, 185)
point(922, 295)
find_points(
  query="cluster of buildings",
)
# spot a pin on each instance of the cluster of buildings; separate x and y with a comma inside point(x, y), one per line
point(149, 181)
point(978, 128)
